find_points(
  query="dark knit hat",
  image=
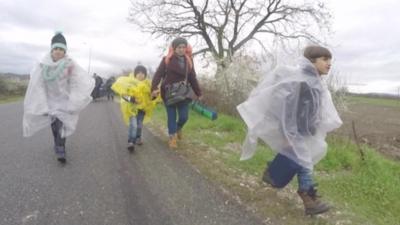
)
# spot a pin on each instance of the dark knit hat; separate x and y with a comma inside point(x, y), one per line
point(58, 41)
point(312, 52)
point(177, 41)
point(140, 68)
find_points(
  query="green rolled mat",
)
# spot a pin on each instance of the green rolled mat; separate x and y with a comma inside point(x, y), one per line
point(204, 110)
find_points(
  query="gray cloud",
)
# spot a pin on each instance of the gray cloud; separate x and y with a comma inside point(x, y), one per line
point(19, 58)
point(47, 15)
point(101, 27)
point(366, 42)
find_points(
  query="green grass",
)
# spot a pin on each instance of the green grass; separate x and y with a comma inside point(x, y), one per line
point(373, 101)
point(7, 99)
point(368, 188)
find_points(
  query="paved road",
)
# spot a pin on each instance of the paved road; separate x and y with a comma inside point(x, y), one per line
point(102, 183)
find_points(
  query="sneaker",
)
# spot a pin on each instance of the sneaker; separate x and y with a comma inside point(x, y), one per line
point(139, 141)
point(60, 153)
point(62, 159)
point(131, 147)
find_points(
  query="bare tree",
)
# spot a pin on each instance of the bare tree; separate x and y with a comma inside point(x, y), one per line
point(223, 27)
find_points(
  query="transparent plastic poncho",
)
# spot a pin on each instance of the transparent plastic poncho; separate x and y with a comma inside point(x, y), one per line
point(56, 90)
point(292, 111)
point(129, 86)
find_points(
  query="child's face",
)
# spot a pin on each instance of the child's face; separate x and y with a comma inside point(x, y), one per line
point(57, 54)
point(140, 76)
point(323, 65)
point(180, 49)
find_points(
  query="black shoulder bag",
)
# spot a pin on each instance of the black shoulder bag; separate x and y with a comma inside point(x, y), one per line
point(179, 91)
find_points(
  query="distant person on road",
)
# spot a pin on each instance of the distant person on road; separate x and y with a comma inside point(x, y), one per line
point(136, 103)
point(58, 90)
point(174, 69)
point(110, 93)
point(96, 93)
point(292, 111)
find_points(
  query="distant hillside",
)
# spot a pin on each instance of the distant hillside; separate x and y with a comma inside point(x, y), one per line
point(13, 84)
point(16, 77)
point(376, 95)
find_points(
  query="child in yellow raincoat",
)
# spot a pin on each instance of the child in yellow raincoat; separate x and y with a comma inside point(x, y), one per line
point(136, 103)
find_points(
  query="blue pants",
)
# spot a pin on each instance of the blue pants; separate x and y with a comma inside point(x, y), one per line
point(304, 178)
point(56, 127)
point(281, 171)
point(181, 110)
point(139, 123)
point(135, 127)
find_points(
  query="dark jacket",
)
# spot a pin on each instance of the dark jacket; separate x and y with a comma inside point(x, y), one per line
point(173, 73)
point(309, 104)
point(307, 109)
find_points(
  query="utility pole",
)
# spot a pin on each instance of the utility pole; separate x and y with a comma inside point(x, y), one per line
point(90, 58)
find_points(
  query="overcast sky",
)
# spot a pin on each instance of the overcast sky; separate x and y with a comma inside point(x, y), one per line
point(366, 43)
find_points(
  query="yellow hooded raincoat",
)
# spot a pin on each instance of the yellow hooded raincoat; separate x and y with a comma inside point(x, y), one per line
point(130, 86)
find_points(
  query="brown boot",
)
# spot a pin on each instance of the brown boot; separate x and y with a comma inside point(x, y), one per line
point(179, 134)
point(172, 141)
point(312, 203)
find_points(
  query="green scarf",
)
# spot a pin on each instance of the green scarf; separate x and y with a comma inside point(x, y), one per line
point(51, 75)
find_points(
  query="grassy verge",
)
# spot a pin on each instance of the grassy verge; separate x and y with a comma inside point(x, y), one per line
point(368, 187)
point(10, 98)
point(373, 101)
point(362, 192)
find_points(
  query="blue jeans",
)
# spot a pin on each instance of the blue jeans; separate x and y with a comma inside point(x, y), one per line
point(182, 109)
point(135, 127)
point(132, 129)
point(304, 177)
point(139, 123)
point(281, 170)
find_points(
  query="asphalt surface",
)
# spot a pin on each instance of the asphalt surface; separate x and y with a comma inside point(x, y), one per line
point(102, 183)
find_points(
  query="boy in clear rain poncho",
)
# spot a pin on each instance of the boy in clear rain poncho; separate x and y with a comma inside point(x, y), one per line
point(58, 90)
point(137, 105)
point(292, 111)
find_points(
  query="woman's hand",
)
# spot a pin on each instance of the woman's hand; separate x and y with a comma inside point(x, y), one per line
point(155, 93)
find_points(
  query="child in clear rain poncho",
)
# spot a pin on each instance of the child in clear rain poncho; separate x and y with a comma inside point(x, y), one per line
point(292, 111)
point(58, 90)
point(137, 105)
